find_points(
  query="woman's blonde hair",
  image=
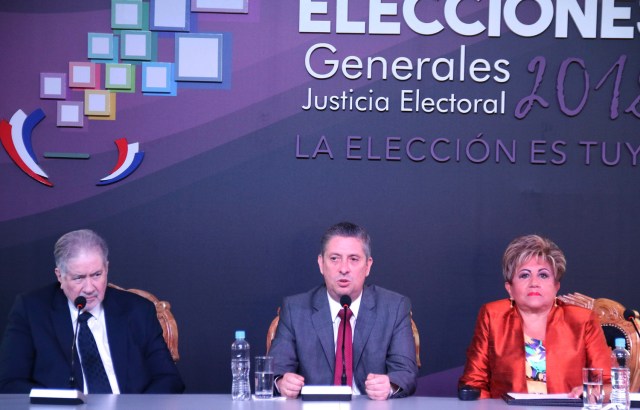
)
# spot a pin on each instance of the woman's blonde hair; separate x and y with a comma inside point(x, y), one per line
point(526, 247)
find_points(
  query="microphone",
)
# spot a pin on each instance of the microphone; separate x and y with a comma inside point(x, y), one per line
point(79, 303)
point(345, 301)
point(632, 315)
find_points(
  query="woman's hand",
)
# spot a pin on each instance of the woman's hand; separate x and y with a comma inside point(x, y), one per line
point(575, 392)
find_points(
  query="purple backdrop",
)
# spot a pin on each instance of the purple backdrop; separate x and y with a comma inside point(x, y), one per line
point(239, 180)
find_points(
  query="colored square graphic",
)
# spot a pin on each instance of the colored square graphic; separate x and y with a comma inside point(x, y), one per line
point(97, 102)
point(135, 45)
point(100, 46)
point(169, 15)
point(126, 14)
point(220, 6)
point(157, 78)
point(53, 86)
point(82, 74)
point(119, 76)
point(112, 109)
point(70, 114)
point(199, 57)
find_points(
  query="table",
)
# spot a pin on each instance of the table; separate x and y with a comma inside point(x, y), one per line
point(223, 402)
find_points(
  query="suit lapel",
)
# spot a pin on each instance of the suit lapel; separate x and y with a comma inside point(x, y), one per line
point(63, 326)
point(323, 324)
point(364, 323)
point(116, 321)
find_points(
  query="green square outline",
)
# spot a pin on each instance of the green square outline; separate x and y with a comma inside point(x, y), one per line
point(137, 25)
point(123, 44)
point(130, 73)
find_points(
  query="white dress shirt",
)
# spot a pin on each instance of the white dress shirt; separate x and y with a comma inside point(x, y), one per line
point(98, 328)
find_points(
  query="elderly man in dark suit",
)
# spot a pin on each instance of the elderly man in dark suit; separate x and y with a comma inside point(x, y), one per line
point(127, 352)
point(383, 361)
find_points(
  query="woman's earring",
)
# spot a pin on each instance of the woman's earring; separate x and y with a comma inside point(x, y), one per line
point(513, 302)
point(555, 302)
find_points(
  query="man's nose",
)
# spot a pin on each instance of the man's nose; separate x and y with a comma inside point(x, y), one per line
point(88, 286)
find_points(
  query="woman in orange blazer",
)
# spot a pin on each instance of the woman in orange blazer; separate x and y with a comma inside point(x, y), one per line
point(532, 342)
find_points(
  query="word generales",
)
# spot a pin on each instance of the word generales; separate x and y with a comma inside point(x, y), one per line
point(409, 101)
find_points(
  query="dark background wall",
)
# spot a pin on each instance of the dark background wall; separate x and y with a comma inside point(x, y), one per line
point(224, 216)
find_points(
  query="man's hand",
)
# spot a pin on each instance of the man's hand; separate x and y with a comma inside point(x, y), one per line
point(290, 384)
point(377, 386)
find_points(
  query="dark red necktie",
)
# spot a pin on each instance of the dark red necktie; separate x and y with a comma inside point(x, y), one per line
point(348, 350)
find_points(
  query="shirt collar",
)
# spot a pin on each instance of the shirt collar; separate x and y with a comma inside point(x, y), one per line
point(95, 312)
point(335, 307)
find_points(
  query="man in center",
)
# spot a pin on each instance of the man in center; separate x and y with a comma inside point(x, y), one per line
point(308, 338)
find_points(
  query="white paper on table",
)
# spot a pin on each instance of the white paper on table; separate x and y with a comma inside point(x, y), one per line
point(535, 396)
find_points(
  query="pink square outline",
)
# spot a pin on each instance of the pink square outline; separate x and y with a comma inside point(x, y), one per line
point(74, 82)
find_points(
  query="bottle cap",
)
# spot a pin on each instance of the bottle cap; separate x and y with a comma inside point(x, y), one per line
point(620, 342)
point(240, 334)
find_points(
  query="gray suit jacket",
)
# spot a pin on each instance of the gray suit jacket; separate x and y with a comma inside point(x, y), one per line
point(382, 342)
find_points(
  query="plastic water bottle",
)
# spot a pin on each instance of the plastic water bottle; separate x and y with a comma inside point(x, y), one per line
point(620, 375)
point(240, 365)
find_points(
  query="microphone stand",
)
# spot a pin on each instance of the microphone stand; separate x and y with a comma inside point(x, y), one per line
point(343, 379)
point(633, 322)
point(72, 378)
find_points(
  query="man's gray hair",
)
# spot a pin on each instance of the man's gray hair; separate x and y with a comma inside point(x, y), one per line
point(73, 243)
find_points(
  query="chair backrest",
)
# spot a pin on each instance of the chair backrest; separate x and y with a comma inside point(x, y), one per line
point(165, 317)
point(271, 334)
point(611, 316)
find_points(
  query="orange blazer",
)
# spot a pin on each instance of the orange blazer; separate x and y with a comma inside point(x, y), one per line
point(496, 359)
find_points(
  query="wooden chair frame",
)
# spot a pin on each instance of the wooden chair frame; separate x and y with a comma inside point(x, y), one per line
point(611, 314)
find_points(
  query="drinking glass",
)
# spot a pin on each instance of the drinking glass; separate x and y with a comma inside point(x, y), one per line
point(264, 377)
point(592, 393)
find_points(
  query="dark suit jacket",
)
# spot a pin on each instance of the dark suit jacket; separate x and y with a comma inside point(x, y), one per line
point(382, 342)
point(36, 348)
point(496, 358)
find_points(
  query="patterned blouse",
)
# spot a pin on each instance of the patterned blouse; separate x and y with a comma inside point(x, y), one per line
point(536, 365)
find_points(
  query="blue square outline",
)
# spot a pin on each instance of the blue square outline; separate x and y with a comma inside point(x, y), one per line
point(91, 54)
point(168, 75)
point(214, 78)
